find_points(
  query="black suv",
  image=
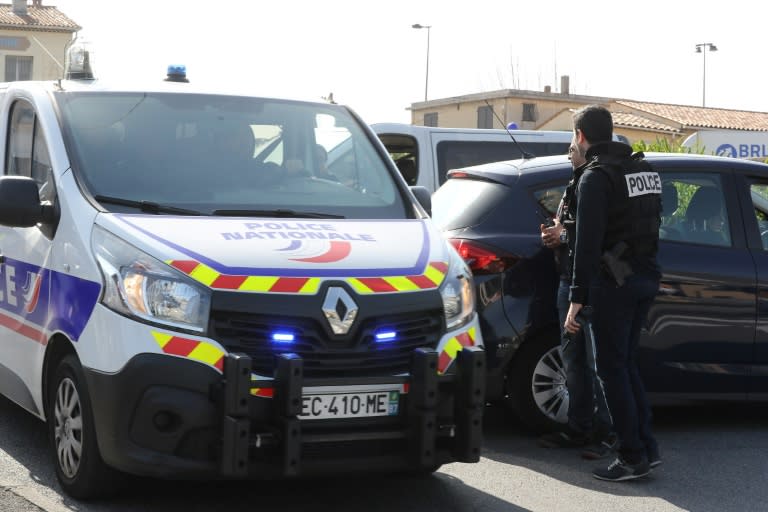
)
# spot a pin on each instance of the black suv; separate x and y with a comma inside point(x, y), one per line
point(707, 332)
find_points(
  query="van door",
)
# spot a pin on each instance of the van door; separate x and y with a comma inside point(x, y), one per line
point(25, 277)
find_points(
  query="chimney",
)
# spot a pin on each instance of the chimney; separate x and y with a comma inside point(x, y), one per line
point(564, 85)
point(548, 89)
point(20, 7)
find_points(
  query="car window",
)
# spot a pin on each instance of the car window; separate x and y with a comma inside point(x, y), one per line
point(463, 202)
point(548, 199)
point(693, 209)
point(759, 193)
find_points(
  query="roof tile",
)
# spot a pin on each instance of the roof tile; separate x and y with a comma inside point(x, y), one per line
point(43, 18)
point(631, 120)
point(691, 117)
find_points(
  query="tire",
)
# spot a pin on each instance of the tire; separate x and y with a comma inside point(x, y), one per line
point(424, 472)
point(72, 436)
point(536, 384)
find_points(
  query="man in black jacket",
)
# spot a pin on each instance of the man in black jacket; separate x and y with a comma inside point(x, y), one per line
point(618, 209)
point(589, 422)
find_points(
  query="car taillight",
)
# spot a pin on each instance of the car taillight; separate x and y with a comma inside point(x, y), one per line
point(483, 259)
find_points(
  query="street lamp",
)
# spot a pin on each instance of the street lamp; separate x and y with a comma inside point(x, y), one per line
point(702, 49)
point(426, 81)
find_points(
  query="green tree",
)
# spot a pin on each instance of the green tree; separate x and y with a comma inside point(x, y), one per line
point(666, 146)
point(684, 190)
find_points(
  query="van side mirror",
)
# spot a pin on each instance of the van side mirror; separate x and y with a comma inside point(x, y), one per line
point(423, 197)
point(20, 205)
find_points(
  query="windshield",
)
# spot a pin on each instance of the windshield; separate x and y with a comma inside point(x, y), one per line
point(210, 153)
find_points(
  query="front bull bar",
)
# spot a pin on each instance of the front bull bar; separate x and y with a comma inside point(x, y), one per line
point(423, 423)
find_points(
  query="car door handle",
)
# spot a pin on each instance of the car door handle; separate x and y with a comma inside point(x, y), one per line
point(669, 290)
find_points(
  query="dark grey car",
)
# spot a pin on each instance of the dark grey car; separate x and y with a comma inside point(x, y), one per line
point(707, 333)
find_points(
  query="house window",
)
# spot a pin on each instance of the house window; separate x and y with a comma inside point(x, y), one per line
point(485, 117)
point(430, 119)
point(529, 112)
point(18, 68)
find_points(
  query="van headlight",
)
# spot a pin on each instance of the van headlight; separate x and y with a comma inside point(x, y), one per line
point(458, 292)
point(138, 285)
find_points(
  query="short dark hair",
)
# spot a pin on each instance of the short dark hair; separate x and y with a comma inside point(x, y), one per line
point(595, 122)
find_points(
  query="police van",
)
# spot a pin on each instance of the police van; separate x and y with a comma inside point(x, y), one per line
point(183, 296)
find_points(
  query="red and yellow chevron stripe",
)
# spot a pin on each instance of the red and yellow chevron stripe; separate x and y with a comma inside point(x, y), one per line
point(452, 348)
point(191, 349)
point(263, 392)
point(431, 278)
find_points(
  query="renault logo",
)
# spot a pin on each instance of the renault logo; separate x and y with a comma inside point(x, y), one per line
point(339, 309)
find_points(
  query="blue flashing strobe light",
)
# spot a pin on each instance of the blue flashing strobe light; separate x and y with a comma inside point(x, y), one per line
point(177, 73)
point(283, 337)
point(383, 336)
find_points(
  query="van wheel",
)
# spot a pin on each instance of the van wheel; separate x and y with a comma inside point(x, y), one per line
point(425, 472)
point(72, 435)
point(536, 385)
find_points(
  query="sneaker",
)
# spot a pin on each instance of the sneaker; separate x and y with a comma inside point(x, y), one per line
point(619, 471)
point(654, 459)
point(563, 440)
point(598, 450)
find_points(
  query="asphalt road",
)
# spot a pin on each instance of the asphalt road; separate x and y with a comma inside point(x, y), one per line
point(715, 459)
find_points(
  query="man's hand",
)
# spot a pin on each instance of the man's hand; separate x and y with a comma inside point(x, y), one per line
point(550, 237)
point(571, 325)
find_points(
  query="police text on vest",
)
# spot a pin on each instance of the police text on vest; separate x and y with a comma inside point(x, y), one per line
point(642, 183)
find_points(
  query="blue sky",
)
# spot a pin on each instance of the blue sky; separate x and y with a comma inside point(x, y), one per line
point(368, 55)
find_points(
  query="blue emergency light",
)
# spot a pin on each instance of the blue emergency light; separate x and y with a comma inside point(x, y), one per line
point(177, 73)
point(385, 336)
point(283, 337)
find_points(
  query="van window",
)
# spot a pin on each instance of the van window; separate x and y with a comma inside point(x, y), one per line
point(28, 151)
point(221, 153)
point(405, 152)
point(455, 154)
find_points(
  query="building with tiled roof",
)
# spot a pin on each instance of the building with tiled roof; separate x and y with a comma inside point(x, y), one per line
point(547, 110)
point(33, 40)
point(690, 117)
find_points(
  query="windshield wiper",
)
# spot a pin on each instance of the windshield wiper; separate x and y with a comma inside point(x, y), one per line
point(146, 206)
point(276, 213)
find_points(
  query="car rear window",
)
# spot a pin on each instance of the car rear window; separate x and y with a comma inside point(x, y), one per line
point(460, 203)
point(457, 154)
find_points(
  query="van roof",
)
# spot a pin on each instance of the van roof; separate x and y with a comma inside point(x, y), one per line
point(404, 128)
point(142, 85)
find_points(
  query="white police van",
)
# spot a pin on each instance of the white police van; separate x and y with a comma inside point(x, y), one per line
point(183, 296)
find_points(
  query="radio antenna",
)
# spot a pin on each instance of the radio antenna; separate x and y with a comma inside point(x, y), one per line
point(526, 155)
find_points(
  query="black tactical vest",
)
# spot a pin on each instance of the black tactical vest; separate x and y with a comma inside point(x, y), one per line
point(634, 209)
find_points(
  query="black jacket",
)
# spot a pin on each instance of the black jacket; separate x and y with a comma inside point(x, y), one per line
point(609, 210)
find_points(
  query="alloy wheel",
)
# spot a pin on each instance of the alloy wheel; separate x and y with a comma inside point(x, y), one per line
point(68, 435)
point(548, 385)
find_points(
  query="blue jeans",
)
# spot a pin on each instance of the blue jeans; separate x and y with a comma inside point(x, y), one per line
point(587, 408)
point(619, 314)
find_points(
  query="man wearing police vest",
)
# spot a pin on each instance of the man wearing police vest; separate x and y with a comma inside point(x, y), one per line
point(613, 255)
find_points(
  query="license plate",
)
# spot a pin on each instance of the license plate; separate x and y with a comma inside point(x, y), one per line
point(360, 404)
